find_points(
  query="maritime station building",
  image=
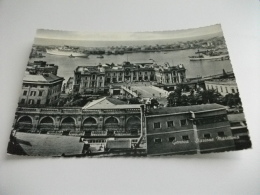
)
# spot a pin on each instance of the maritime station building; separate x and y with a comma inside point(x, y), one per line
point(97, 120)
point(105, 78)
point(188, 130)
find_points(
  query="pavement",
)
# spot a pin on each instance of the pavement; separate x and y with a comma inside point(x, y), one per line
point(148, 91)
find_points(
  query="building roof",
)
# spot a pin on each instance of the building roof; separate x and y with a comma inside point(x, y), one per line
point(49, 145)
point(109, 103)
point(45, 78)
point(118, 144)
point(187, 109)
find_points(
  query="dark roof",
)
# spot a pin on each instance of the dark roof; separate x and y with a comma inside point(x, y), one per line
point(180, 109)
point(49, 145)
point(118, 144)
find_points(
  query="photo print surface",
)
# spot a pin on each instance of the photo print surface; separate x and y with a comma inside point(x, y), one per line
point(129, 94)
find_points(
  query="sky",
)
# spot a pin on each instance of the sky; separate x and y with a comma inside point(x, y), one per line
point(126, 36)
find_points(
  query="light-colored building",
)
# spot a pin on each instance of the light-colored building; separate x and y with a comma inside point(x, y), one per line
point(170, 75)
point(89, 79)
point(223, 86)
point(40, 89)
point(98, 79)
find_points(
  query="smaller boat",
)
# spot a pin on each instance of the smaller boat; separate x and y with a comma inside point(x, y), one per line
point(100, 56)
point(71, 56)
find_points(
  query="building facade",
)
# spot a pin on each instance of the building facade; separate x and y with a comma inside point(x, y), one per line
point(106, 115)
point(170, 75)
point(95, 79)
point(223, 86)
point(89, 79)
point(40, 89)
point(189, 129)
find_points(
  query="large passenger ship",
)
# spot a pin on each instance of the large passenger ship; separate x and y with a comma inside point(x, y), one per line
point(66, 51)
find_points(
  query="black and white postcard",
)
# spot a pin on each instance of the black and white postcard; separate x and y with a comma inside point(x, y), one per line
point(129, 94)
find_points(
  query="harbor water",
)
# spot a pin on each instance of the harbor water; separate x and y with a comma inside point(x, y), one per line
point(67, 65)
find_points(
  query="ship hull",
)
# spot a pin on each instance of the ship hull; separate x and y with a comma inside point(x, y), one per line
point(222, 57)
point(65, 53)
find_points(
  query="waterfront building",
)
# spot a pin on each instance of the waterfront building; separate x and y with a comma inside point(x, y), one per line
point(89, 79)
point(223, 86)
point(40, 89)
point(188, 130)
point(170, 75)
point(40, 67)
point(101, 78)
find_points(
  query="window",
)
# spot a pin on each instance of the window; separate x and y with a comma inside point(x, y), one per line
point(22, 101)
point(25, 85)
point(157, 140)
point(207, 135)
point(226, 90)
point(100, 84)
point(33, 93)
point(31, 101)
point(93, 76)
point(24, 92)
point(221, 134)
point(171, 139)
point(170, 124)
point(233, 90)
point(185, 137)
point(183, 122)
point(221, 89)
point(38, 102)
point(40, 93)
point(157, 125)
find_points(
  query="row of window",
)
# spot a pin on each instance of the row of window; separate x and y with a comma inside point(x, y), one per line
point(32, 93)
point(187, 138)
point(30, 101)
point(220, 89)
point(93, 84)
point(183, 122)
point(33, 85)
point(94, 77)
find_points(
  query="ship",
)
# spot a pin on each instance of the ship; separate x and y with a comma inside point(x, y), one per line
point(208, 55)
point(66, 51)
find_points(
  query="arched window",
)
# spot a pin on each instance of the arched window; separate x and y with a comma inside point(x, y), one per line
point(25, 119)
point(89, 121)
point(133, 124)
point(68, 120)
point(111, 120)
point(47, 120)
